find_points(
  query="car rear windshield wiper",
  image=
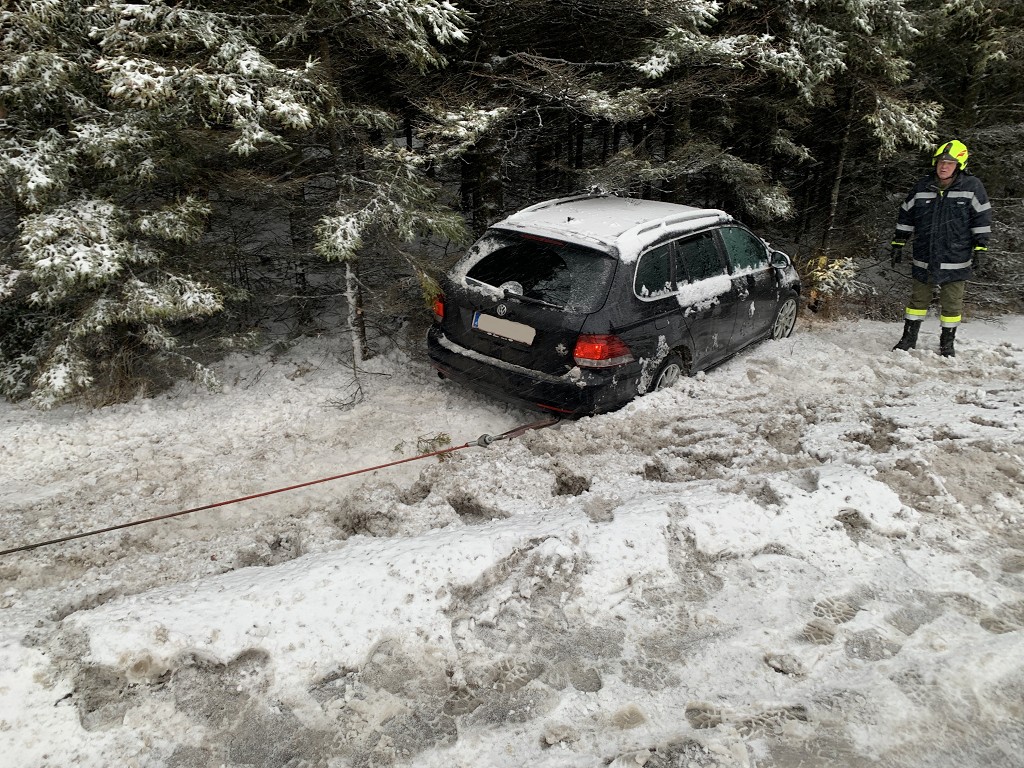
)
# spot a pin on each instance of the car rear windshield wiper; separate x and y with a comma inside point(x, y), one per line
point(507, 294)
point(529, 300)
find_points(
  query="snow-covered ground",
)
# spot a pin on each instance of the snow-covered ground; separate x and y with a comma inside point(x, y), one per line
point(811, 556)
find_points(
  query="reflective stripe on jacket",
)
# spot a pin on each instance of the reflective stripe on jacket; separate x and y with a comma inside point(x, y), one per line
point(946, 225)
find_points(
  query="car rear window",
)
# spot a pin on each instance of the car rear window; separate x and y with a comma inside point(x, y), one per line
point(653, 278)
point(571, 276)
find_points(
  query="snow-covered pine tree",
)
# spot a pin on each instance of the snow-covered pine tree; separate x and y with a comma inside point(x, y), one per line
point(821, 95)
point(115, 119)
point(125, 122)
point(797, 65)
point(372, 52)
point(549, 101)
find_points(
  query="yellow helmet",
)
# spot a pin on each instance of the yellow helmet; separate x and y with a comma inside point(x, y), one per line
point(952, 150)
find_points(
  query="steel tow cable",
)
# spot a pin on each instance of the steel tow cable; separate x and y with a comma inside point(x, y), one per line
point(482, 442)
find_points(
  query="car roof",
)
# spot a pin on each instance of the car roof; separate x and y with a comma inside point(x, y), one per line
point(622, 223)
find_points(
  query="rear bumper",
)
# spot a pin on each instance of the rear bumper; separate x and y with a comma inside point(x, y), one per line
point(580, 392)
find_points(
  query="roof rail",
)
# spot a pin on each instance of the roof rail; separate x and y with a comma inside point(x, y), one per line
point(564, 200)
point(679, 218)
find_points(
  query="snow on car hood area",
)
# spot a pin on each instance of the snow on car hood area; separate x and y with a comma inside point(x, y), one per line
point(810, 556)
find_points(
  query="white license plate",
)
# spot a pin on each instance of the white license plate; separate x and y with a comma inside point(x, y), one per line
point(506, 329)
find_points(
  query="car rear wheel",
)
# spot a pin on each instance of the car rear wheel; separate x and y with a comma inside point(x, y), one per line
point(668, 373)
point(785, 319)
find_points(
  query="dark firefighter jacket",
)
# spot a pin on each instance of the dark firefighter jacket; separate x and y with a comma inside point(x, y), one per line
point(946, 226)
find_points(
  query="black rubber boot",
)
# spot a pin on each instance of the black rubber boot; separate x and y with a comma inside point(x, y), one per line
point(946, 342)
point(909, 340)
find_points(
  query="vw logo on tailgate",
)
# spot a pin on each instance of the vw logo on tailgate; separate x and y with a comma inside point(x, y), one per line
point(502, 310)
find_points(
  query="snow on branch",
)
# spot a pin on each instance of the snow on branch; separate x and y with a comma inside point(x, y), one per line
point(40, 79)
point(181, 222)
point(696, 14)
point(401, 203)
point(687, 47)
point(762, 200)
point(411, 27)
point(36, 168)
point(217, 74)
point(896, 122)
point(172, 297)
point(117, 146)
point(9, 278)
point(154, 25)
point(456, 131)
point(76, 244)
point(139, 82)
point(88, 243)
point(241, 87)
point(65, 372)
point(620, 107)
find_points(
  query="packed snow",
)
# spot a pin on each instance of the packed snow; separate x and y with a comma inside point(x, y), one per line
point(810, 556)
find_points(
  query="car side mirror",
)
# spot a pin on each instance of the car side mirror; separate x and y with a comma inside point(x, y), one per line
point(779, 260)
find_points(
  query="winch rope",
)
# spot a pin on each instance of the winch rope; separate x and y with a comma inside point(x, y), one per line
point(482, 442)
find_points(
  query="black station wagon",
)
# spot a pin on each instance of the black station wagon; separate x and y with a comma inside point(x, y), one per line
point(578, 305)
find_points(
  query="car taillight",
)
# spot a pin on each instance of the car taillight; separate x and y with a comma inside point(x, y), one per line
point(439, 308)
point(601, 351)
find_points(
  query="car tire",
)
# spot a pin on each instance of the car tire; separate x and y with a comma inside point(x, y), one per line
point(785, 319)
point(668, 373)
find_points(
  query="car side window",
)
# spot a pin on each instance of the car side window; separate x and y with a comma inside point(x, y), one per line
point(697, 258)
point(744, 249)
point(653, 277)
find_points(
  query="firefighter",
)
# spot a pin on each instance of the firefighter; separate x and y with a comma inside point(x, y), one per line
point(949, 217)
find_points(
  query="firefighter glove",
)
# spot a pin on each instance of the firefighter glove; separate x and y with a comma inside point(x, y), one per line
point(896, 255)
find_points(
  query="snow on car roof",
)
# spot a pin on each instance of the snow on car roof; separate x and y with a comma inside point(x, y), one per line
point(608, 220)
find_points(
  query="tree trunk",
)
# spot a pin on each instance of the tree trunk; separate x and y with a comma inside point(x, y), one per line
point(545, 177)
point(491, 198)
point(469, 186)
point(668, 123)
point(833, 204)
point(353, 287)
point(581, 130)
point(641, 151)
point(807, 195)
point(356, 316)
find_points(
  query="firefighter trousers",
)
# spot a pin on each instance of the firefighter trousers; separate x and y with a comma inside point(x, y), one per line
point(951, 302)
